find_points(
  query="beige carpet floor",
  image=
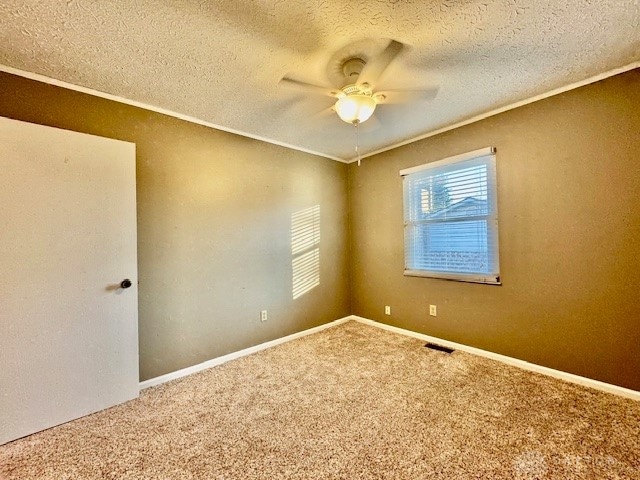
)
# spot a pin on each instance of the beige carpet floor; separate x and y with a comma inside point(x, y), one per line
point(351, 402)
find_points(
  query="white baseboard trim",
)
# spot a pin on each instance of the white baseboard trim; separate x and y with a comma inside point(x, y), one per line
point(152, 382)
point(532, 367)
point(568, 377)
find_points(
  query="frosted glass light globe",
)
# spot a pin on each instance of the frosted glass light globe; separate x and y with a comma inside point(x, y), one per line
point(355, 108)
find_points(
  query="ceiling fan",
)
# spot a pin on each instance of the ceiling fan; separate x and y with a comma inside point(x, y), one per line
point(357, 98)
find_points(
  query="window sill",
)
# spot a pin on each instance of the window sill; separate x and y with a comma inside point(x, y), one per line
point(456, 277)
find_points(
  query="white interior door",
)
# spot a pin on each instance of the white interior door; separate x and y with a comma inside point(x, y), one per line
point(68, 332)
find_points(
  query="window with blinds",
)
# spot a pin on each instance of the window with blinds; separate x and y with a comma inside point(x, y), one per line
point(451, 218)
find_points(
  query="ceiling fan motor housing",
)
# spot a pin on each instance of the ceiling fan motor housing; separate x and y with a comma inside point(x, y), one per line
point(352, 69)
point(356, 89)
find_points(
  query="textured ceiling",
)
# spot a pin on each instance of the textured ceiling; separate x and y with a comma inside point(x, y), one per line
point(220, 61)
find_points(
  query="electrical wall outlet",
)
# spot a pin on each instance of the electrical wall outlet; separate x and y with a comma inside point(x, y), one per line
point(387, 310)
point(263, 316)
point(433, 310)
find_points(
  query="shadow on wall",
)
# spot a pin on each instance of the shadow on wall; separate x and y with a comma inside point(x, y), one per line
point(305, 250)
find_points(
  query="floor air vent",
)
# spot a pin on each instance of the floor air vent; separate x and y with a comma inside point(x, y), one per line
point(440, 348)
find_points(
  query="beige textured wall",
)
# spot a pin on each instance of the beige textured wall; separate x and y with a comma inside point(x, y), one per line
point(568, 172)
point(214, 213)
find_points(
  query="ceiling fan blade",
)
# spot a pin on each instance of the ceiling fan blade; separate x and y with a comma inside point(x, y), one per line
point(377, 65)
point(406, 96)
point(309, 87)
point(327, 112)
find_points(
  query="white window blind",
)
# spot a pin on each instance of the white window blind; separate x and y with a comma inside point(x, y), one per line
point(451, 218)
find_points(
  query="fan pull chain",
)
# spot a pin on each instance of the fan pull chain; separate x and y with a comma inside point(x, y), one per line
point(357, 141)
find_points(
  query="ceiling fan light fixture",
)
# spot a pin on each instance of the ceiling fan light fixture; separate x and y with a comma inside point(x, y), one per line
point(355, 108)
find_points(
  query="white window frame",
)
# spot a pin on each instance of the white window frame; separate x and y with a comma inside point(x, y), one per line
point(484, 156)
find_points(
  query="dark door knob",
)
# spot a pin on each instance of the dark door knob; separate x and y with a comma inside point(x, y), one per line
point(126, 283)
